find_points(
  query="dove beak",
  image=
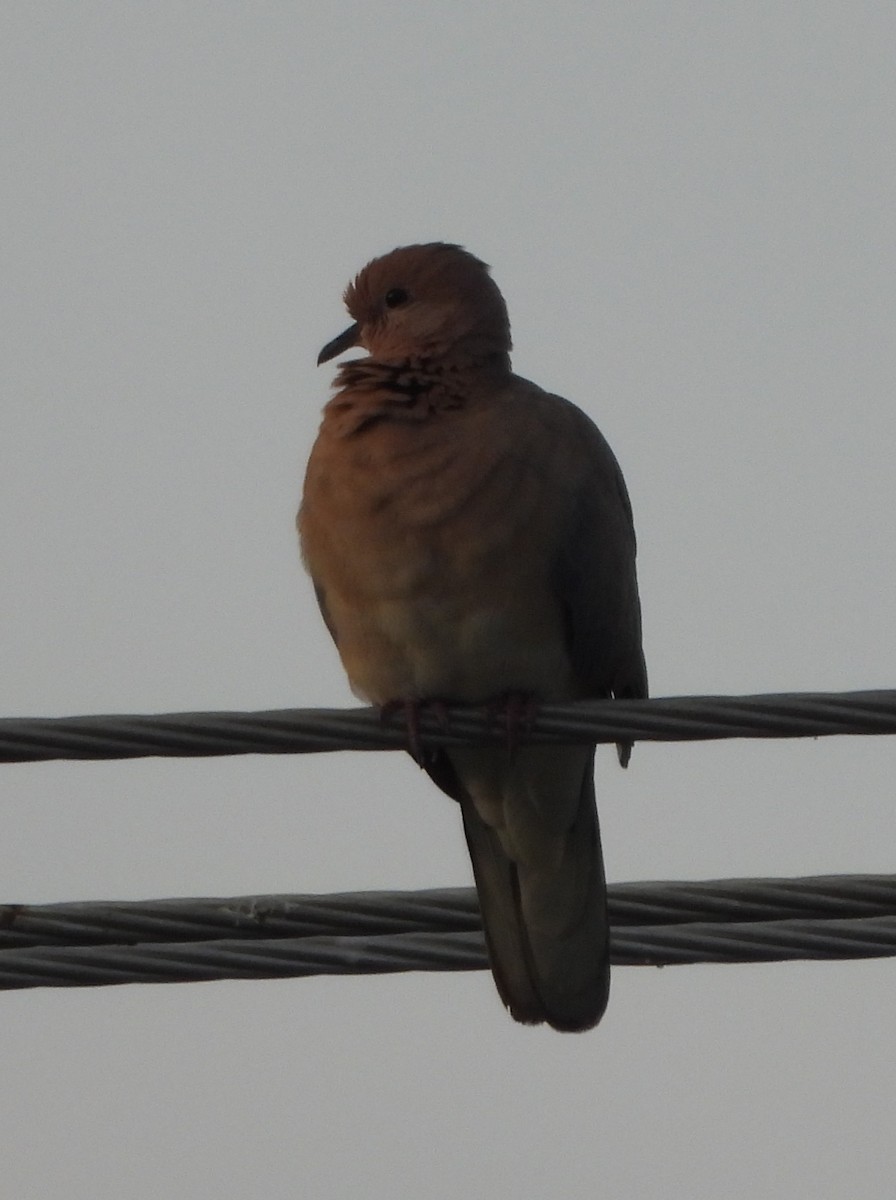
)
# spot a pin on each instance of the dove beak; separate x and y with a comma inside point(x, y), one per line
point(344, 341)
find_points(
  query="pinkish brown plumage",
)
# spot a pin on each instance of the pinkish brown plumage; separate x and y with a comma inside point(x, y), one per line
point(469, 536)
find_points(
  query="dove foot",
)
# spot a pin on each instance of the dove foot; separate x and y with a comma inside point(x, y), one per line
point(517, 712)
point(411, 710)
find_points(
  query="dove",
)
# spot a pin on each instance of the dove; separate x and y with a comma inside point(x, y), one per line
point(470, 541)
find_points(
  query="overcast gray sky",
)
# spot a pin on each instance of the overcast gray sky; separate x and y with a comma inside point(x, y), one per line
point(689, 208)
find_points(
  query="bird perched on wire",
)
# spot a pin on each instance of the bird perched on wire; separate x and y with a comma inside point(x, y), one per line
point(470, 540)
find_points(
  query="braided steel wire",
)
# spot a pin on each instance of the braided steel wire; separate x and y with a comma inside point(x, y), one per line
point(275, 936)
point(657, 945)
point(304, 731)
point(433, 911)
point(447, 910)
point(191, 962)
point(72, 945)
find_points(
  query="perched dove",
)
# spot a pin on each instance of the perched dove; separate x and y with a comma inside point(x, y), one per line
point(470, 540)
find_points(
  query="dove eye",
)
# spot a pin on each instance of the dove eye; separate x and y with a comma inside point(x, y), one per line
point(396, 297)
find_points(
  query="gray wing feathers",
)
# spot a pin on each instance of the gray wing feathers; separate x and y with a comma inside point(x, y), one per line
point(596, 580)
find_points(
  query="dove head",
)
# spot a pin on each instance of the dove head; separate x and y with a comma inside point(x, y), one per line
point(426, 303)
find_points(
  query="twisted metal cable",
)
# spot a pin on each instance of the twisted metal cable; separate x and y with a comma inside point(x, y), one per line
point(175, 940)
point(761, 941)
point(190, 962)
point(349, 914)
point(304, 731)
point(666, 945)
point(840, 917)
point(433, 911)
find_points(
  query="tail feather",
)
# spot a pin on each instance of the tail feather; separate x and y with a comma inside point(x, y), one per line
point(505, 935)
point(546, 927)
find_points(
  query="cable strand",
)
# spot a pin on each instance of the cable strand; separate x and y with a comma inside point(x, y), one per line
point(307, 731)
point(263, 937)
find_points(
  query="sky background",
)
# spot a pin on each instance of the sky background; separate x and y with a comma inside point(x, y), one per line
point(689, 209)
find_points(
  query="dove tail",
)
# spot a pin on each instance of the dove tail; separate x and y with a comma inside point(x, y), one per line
point(546, 928)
